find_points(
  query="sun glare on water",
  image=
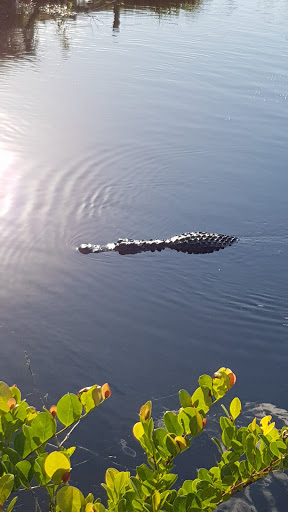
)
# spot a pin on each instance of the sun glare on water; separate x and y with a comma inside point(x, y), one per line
point(7, 181)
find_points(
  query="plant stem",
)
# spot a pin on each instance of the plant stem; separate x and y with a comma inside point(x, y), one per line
point(256, 476)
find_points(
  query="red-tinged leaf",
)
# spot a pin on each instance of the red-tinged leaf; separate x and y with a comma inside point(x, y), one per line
point(106, 391)
point(53, 410)
point(66, 477)
point(11, 403)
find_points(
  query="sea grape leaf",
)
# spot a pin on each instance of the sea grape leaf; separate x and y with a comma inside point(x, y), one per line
point(185, 398)
point(90, 398)
point(6, 486)
point(25, 472)
point(69, 409)
point(172, 424)
point(69, 499)
point(235, 408)
point(55, 465)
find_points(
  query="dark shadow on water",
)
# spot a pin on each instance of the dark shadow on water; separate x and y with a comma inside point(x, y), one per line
point(18, 19)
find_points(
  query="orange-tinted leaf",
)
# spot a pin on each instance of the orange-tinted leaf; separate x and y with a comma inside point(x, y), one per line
point(232, 378)
point(106, 391)
point(229, 373)
point(53, 410)
point(145, 411)
point(11, 403)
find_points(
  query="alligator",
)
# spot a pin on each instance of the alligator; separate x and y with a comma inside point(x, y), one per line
point(197, 242)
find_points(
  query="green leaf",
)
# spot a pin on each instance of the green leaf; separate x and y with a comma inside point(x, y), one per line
point(172, 424)
point(159, 435)
point(168, 480)
point(235, 408)
point(205, 381)
point(191, 421)
point(267, 457)
point(237, 446)
point(110, 476)
point(278, 448)
point(90, 507)
point(250, 449)
point(179, 504)
point(11, 504)
point(244, 469)
point(188, 486)
point(98, 507)
point(25, 472)
point(184, 419)
point(20, 412)
point(89, 498)
point(9, 426)
point(122, 505)
point(221, 384)
point(23, 444)
point(137, 486)
point(55, 465)
point(121, 480)
point(68, 451)
point(6, 486)
point(43, 427)
point(185, 398)
point(202, 399)
point(5, 392)
point(172, 446)
point(215, 473)
point(39, 471)
point(229, 473)
point(203, 474)
point(228, 435)
point(156, 499)
point(225, 422)
point(5, 395)
point(138, 430)
point(144, 473)
point(69, 499)
point(12, 454)
point(257, 460)
point(91, 398)
point(69, 409)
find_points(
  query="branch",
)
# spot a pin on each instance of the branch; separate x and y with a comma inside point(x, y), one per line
point(254, 478)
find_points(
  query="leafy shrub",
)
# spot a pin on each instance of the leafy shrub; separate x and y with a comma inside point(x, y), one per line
point(247, 453)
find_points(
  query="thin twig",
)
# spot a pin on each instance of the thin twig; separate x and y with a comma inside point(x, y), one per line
point(56, 434)
point(36, 389)
point(69, 433)
point(257, 476)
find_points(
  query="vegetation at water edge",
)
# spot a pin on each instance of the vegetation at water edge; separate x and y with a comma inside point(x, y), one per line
point(33, 455)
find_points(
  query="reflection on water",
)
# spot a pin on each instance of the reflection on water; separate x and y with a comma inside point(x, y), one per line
point(128, 121)
point(18, 35)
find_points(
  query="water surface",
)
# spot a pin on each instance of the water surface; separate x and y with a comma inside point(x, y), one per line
point(174, 120)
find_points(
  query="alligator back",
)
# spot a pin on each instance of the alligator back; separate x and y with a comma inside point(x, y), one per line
point(197, 242)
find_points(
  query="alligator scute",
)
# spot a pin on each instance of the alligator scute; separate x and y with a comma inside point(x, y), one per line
point(197, 242)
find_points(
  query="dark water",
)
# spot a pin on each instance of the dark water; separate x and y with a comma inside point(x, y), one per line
point(174, 121)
